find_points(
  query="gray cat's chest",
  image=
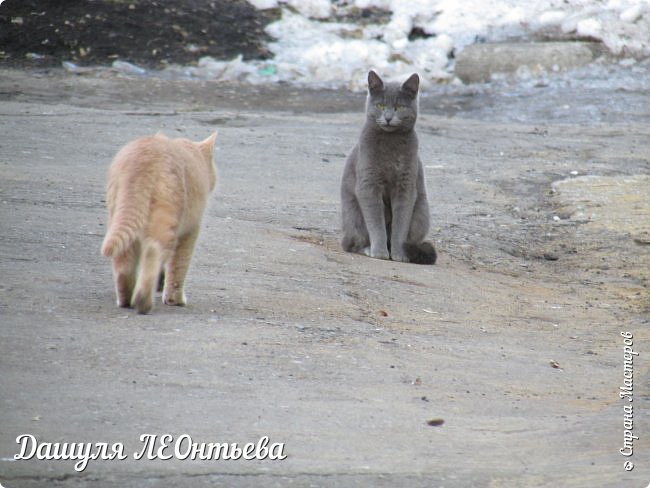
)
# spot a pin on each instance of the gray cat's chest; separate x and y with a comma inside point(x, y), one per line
point(389, 156)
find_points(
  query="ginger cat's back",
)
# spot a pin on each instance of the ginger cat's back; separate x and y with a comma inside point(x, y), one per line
point(156, 195)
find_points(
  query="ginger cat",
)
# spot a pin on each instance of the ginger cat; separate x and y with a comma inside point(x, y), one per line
point(157, 192)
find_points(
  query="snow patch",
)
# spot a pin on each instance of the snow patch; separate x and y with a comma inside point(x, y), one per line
point(315, 45)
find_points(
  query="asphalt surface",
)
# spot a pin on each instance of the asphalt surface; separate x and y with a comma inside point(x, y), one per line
point(500, 366)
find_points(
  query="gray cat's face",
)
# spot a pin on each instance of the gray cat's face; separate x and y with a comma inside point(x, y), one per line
point(393, 107)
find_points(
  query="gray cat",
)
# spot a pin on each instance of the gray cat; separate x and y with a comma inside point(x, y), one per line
point(384, 204)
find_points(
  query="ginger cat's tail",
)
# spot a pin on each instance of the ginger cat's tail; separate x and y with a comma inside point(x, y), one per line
point(129, 214)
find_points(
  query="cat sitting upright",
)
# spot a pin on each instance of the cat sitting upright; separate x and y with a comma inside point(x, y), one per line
point(385, 213)
point(157, 192)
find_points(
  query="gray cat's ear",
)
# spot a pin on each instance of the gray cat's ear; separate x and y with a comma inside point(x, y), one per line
point(412, 85)
point(374, 82)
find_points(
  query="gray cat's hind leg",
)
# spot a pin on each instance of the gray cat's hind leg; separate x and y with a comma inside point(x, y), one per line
point(355, 234)
point(419, 220)
point(416, 248)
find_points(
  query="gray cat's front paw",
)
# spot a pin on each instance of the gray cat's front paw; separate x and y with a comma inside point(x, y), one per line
point(401, 257)
point(383, 254)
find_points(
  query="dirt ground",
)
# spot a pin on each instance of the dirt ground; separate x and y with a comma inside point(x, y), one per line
point(500, 366)
point(152, 34)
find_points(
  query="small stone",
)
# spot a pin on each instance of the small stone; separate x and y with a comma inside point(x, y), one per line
point(435, 422)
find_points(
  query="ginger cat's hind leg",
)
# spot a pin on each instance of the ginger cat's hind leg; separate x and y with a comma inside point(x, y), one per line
point(157, 249)
point(161, 280)
point(148, 269)
point(124, 269)
point(174, 293)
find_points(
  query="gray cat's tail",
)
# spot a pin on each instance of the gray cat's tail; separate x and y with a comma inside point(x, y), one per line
point(420, 253)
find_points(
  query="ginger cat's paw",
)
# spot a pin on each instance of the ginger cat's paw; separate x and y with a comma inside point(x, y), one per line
point(142, 303)
point(176, 297)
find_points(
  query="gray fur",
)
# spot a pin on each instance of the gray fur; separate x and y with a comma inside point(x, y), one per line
point(385, 213)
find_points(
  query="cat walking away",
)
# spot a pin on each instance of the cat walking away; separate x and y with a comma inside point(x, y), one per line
point(157, 192)
point(384, 207)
